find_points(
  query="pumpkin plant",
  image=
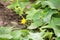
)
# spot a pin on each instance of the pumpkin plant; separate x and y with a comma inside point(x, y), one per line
point(44, 16)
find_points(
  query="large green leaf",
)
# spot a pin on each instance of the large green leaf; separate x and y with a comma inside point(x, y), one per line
point(55, 24)
point(19, 34)
point(5, 30)
point(51, 5)
point(24, 33)
point(54, 4)
point(35, 36)
point(31, 13)
point(48, 15)
point(58, 38)
point(6, 36)
point(16, 34)
point(48, 35)
point(36, 24)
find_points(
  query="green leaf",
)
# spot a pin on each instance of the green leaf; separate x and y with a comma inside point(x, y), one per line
point(16, 34)
point(55, 24)
point(53, 4)
point(5, 36)
point(18, 6)
point(36, 24)
point(24, 33)
point(58, 38)
point(48, 35)
point(35, 36)
point(56, 3)
point(5, 30)
point(31, 13)
point(48, 15)
point(37, 4)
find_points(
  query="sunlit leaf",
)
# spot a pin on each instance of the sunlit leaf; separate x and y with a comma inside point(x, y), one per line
point(35, 36)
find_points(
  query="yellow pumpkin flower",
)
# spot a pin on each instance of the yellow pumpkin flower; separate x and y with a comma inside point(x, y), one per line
point(23, 21)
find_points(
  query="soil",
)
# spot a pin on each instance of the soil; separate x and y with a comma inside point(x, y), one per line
point(8, 17)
